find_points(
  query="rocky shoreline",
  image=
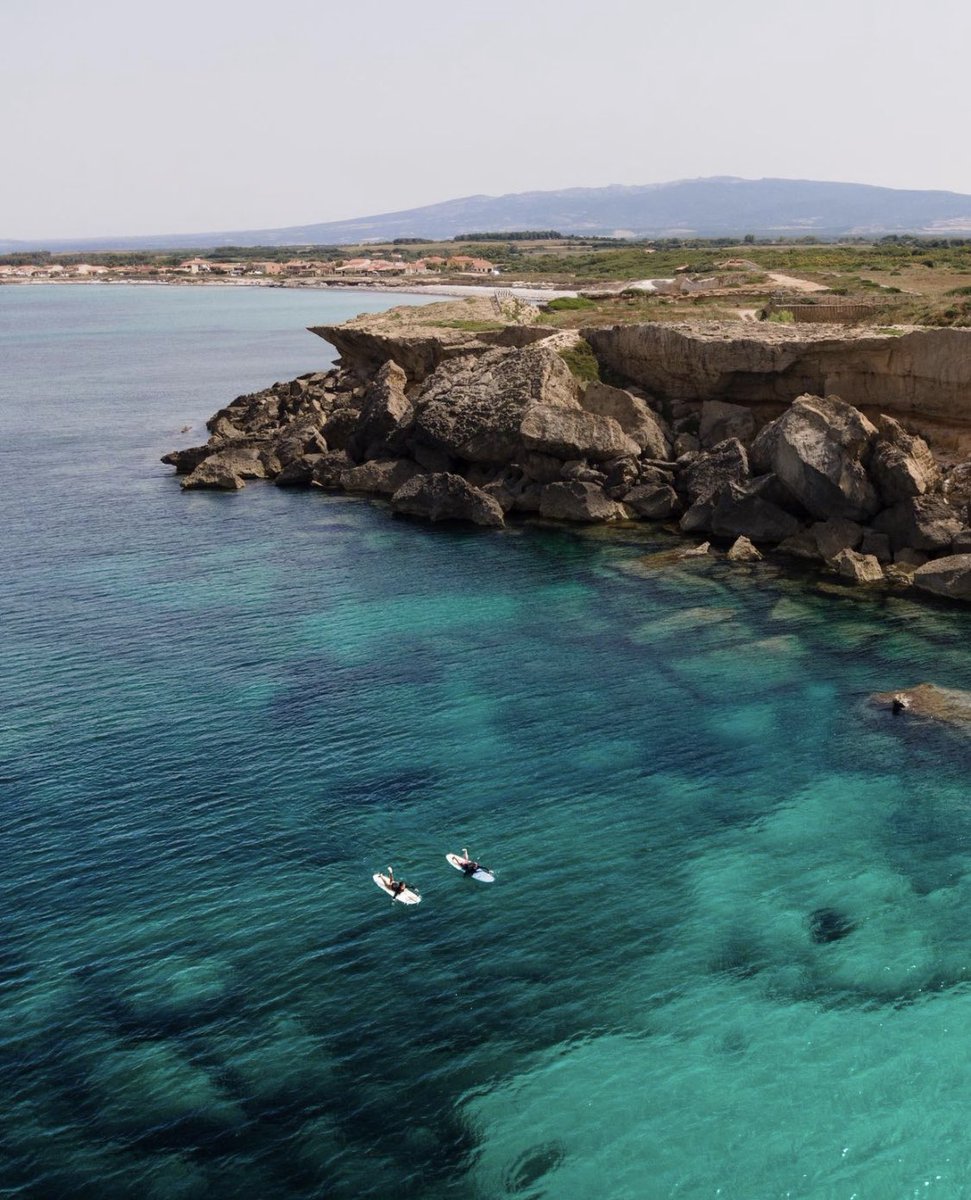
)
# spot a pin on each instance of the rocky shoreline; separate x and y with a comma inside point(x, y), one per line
point(471, 412)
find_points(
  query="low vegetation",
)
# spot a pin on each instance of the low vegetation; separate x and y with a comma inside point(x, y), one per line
point(581, 361)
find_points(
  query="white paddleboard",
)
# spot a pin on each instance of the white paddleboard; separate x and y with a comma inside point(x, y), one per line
point(479, 873)
point(407, 896)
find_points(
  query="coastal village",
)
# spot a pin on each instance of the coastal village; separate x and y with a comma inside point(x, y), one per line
point(198, 268)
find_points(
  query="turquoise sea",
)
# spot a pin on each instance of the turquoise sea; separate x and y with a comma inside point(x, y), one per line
point(727, 953)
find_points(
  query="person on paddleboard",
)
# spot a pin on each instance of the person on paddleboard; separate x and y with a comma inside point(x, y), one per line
point(397, 886)
point(469, 865)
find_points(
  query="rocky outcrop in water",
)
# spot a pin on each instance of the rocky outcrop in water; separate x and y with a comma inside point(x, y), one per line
point(449, 424)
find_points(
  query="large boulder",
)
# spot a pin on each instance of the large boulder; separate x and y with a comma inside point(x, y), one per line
point(902, 465)
point(620, 475)
point(340, 427)
point(653, 502)
point(950, 577)
point(576, 501)
point(185, 461)
point(213, 474)
point(876, 543)
point(920, 522)
point(445, 497)
point(573, 434)
point(385, 415)
point(633, 416)
point(743, 509)
point(473, 408)
point(714, 470)
point(835, 535)
point(720, 420)
point(299, 472)
point(329, 468)
point(380, 476)
point(819, 450)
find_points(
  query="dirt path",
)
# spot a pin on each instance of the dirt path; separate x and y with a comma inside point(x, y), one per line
point(794, 284)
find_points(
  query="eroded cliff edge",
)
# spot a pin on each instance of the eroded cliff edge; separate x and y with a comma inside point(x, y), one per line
point(803, 440)
point(920, 376)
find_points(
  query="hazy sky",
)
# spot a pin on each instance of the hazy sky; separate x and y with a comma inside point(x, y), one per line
point(122, 117)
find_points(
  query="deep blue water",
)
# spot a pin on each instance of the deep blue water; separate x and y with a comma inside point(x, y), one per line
point(220, 714)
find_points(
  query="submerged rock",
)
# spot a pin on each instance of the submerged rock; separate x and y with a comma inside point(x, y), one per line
point(829, 925)
point(949, 706)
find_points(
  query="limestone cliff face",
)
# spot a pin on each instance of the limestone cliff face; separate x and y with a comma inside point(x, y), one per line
point(922, 376)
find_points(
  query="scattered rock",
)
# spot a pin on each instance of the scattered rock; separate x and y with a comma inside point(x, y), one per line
point(653, 503)
point(860, 568)
point(577, 501)
point(742, 550)
point(835, 535)
point(801, 545)
point(621, 474)
point(382, 477)
point(329, 469)
point(299, 473)
point(741, 509)
point(714, 470)
point(909, 559)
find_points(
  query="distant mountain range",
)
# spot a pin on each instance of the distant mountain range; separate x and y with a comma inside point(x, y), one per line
point(716, 207)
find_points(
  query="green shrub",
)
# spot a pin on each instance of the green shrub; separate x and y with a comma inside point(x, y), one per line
point(581, 361)
point(782, 316)
point(961, 291)
point(569, 303)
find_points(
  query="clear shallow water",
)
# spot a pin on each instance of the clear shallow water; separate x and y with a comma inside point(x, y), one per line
point(219, 714)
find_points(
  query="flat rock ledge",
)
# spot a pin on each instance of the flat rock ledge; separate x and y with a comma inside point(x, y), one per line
point(453, 425)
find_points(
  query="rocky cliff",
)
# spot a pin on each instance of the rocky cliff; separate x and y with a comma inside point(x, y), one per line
point(921, 376)
point(478, 420)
